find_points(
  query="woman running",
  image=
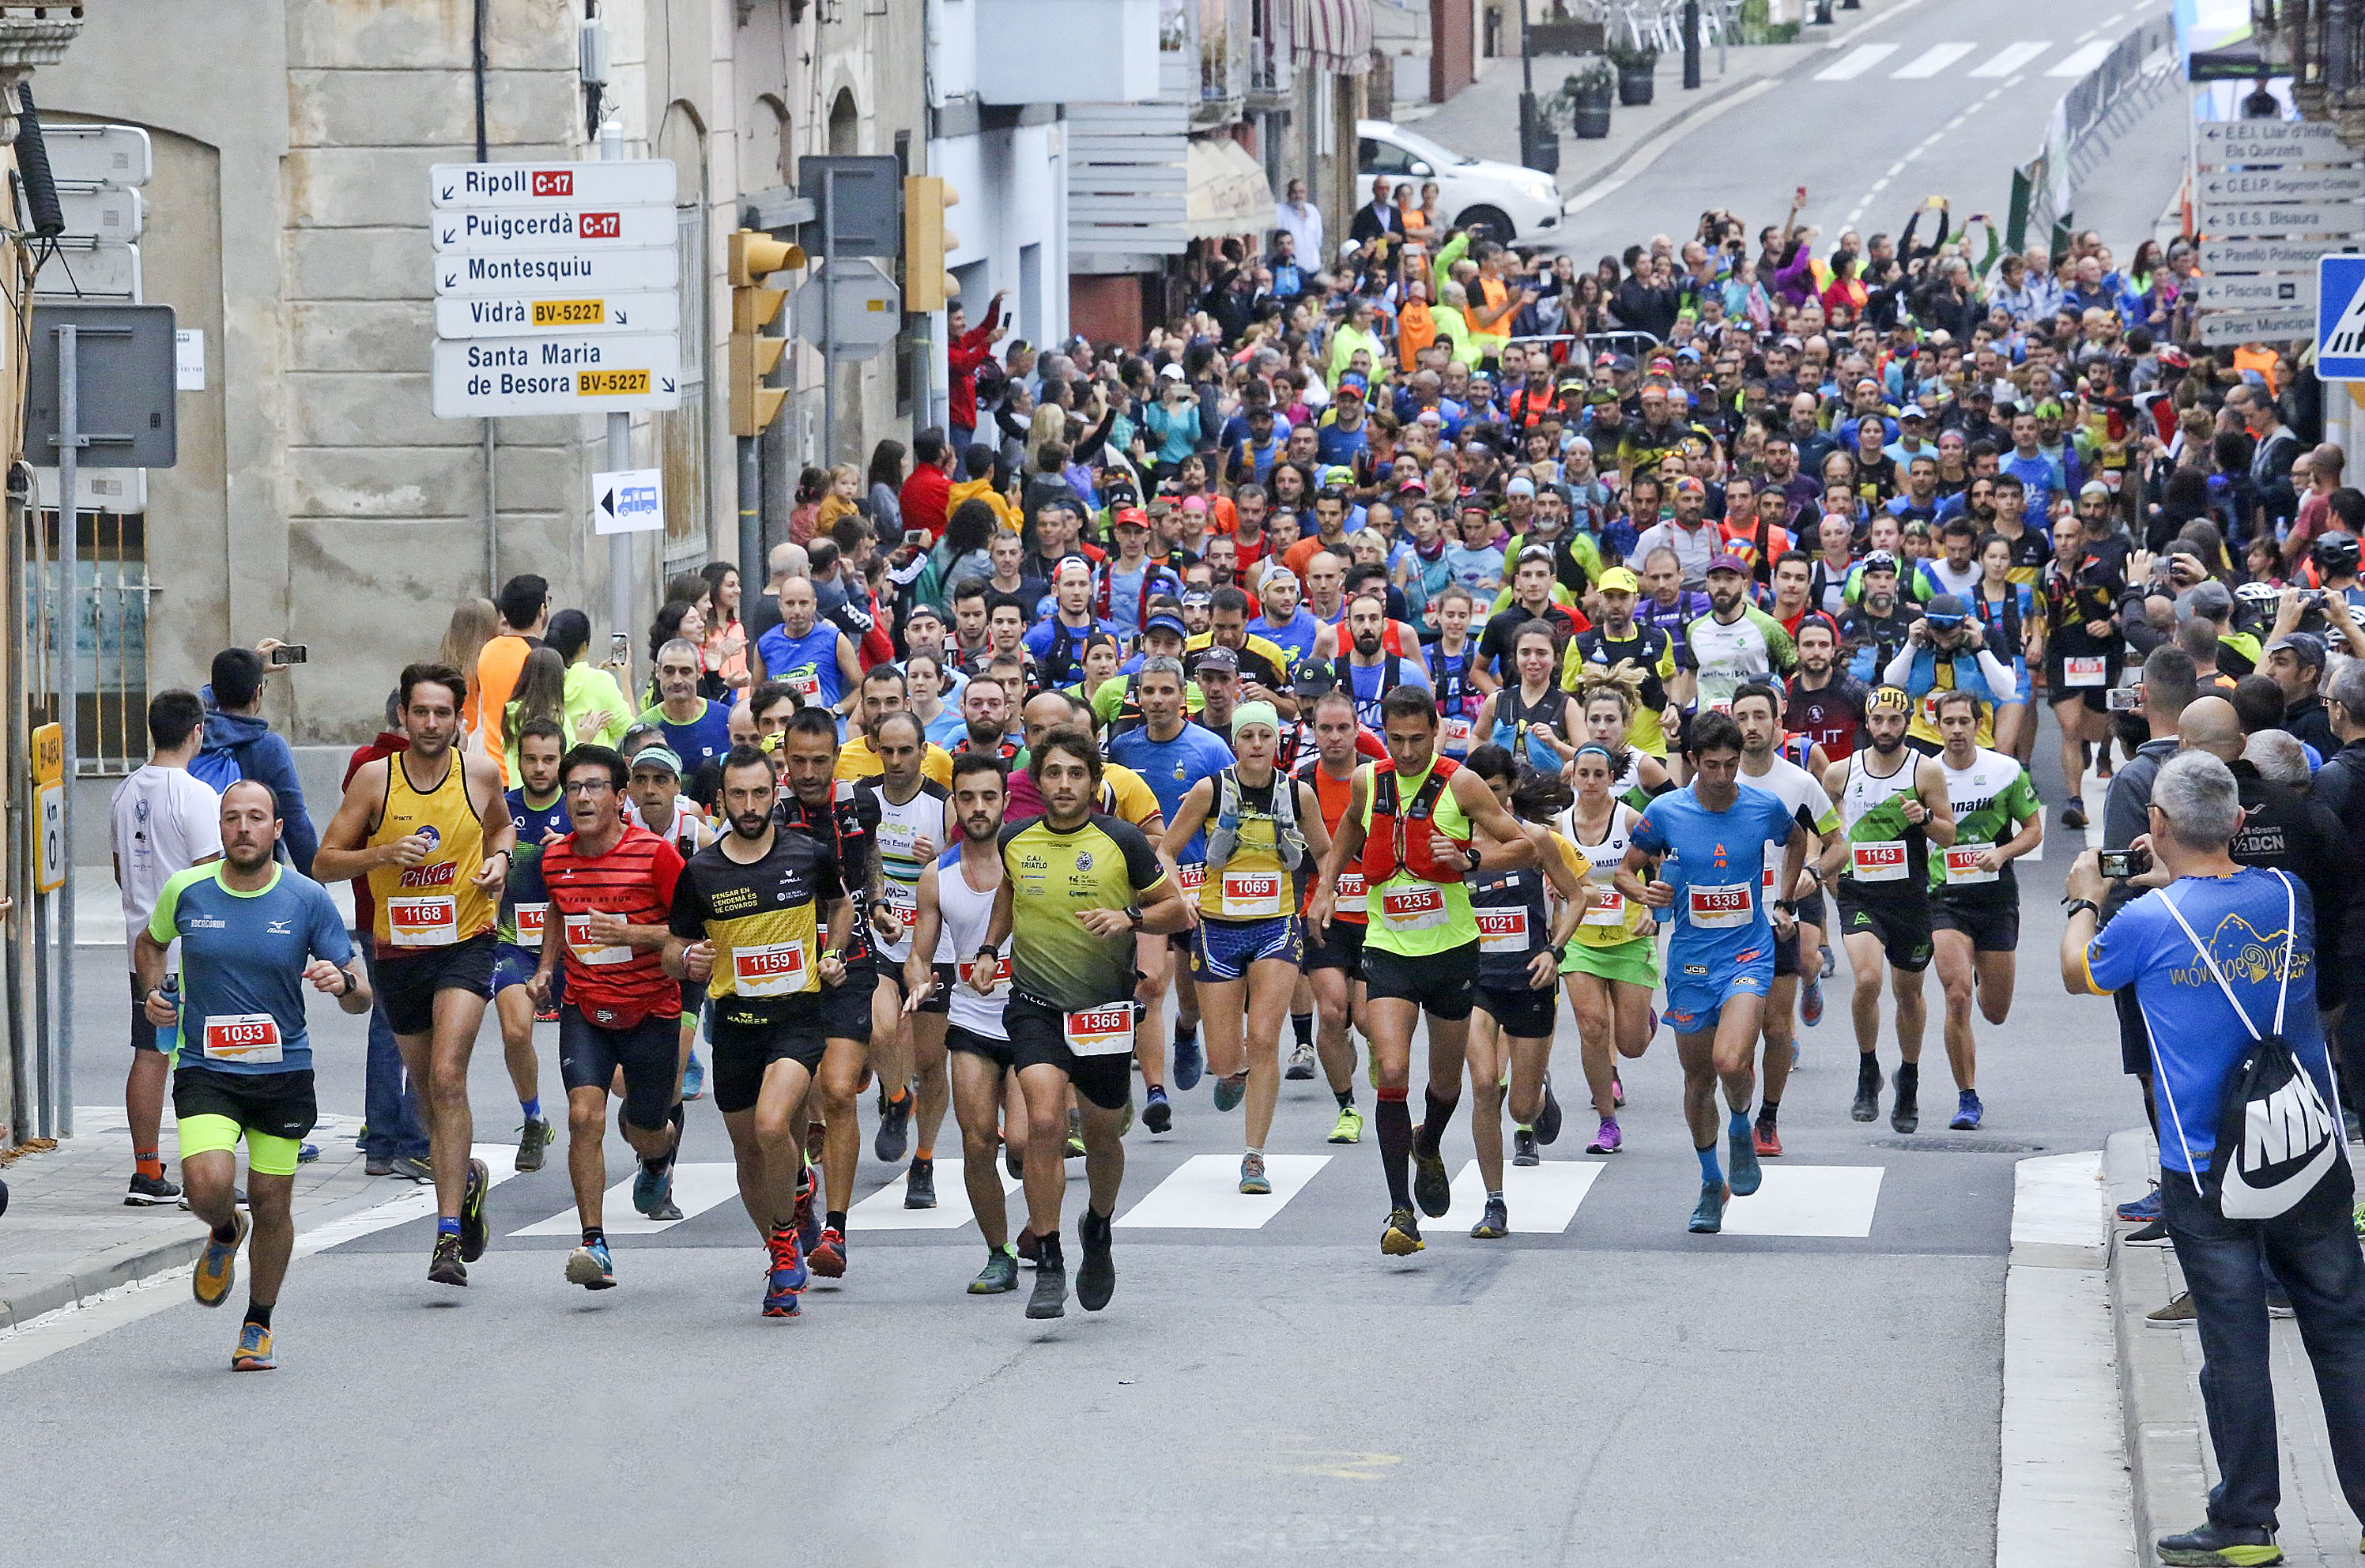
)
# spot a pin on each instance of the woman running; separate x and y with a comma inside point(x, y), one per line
point(1609, 707)
point(1613, 966)
point(1533, 721)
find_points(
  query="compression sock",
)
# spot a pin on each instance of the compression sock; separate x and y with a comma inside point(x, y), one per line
point(1523, 1127)
point(259, 1313)
point(1438, 1114)
point(448, 1227)
point(1393, 1119)
point(533, 1108)
point(1709, 1169)
point(835, 1220)
point(148, 1162)
point(1345, 1098)
point(1302, 1023)
point(593, 1235)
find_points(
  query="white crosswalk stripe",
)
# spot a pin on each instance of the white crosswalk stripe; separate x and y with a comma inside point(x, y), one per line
point(1203, 1193)
point(2011, 57)
point(1543, 1198)
point(696, 1189)
point(1855, 62)
point(1932, 61)
point(2079, 60)
point(1808, 1200)
point(884, 1210)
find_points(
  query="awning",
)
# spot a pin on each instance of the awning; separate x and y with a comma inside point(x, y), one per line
point(1226, 191)
point(1331, 35)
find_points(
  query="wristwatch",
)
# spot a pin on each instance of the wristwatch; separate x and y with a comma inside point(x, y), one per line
point(1560, 952)
point(349, 982)
point(1133, 915)
point(2071, 906)
point(992, 956)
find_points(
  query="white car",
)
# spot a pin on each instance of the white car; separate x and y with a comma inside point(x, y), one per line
point(1514, 203)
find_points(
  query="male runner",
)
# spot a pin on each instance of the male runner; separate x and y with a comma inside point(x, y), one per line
point(1408, 827)
point(1077, 888)
point(427, 827)
point(1334, 952)
point(1974, 899)
point(1892, 803)
point(911, 811)
point(1826, 703)
point(612, 886)
point(655, 802)
point(1735, 641)
point(252, 933)
point(538, 816)
point(745, 920)
point(1712, 837)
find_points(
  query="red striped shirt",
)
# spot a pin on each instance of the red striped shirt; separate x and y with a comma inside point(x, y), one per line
point(633, 879)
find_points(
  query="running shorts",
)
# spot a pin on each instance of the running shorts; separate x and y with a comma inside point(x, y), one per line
point(513, 965)
point(2057, 680)
point(1520, 1011)
point(939, 995)
point(1341, 948)
point(1901, 921)
point(1697, 993)
point(1039, 1038)
point(846, 1007)
point(998, 1052)
point(1634, 963)
point(1222, 950)
point(744, 1049)
point(1994, 925)
point(649, 1052)
point(407, 986)
point(1444, 984)
point(272, 1110)
point(1786, 953)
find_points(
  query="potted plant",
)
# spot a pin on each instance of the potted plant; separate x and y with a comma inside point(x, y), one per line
point(1587, 97)
point(1637, 66)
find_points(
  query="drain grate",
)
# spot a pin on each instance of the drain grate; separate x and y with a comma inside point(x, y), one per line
point(1959, 1145)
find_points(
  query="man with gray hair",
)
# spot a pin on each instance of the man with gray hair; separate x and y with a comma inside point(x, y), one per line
point(2252, 932)
point(762, 610)
point(2279, 759)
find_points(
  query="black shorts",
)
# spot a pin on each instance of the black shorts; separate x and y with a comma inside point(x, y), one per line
point(649, 1051)
point(1341, 948)
point(143, 1033)
point(1786, 953)
point(1039, 1037)
point(1520, 1011)
point(998, 1052)
point(1445, 984)
point(846, 1007)
point(1901, 921)
point(1992, 925)
point(940, 998)
point(406, 987)
point(744, 1051)
point(278, 1104)
point(1815, 910)
point(2057, 680)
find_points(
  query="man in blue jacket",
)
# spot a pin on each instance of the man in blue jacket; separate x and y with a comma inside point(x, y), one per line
point(238, 736)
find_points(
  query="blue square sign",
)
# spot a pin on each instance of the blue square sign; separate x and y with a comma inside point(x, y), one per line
point(2340, 319)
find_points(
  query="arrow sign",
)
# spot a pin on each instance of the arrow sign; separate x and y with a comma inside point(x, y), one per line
point(557, 373)
point(2255, 326)
point(2264, 255)
point(628, 500)
point(637, 182)
point(2271, 291)
point(505, 232)
point(2219, 142)
point(2245, 218)
point(511, 316)
point(2340, 319)
point(2261, 186)
point(559, 272)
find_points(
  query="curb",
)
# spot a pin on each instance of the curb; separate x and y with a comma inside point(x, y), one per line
point(2158, 1370)
point(100, 1273)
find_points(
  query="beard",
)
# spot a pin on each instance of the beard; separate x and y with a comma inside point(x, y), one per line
point(1367, 643)
point(1889, 747)
point(751, 824)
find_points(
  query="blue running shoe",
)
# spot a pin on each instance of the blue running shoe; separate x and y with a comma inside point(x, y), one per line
point(1230, 1091)
point(693, 1079)
point(808, 1213)
point(1156, 1114)
point(1708, 1218)
point(1746, 1174)
point(1811, 1002)
point(649, 1189)
point(1188, 1062)
point(306, 1152)
point(591, 1267)
point(1968, 1111)
point(2142, 1211)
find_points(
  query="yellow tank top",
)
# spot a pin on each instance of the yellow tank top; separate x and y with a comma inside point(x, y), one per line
point(433, 903)
point(1252, 884)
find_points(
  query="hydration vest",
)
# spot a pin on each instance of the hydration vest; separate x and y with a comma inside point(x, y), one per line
point(1398, 839)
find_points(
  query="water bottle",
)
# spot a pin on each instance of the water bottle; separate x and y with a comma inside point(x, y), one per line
point(168, 1035)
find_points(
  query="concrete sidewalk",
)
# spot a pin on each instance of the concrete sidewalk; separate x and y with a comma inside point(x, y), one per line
point(2159, 1372)
point(68, 1237)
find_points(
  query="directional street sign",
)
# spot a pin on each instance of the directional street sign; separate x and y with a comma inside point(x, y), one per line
point(105, 212)
point(81, 269)
point(558, 272)
point(2265, 291)
point(574, 374)
point(2255, 186)
point(2266, 255)
point(2220, 143)
point(511, 316)
point(864, 308)
point(2340, 319)
point(82, 152)
point(628, 500)
point(2256, 325)
point(635, 182)
point(500, 231)
point(2299, 217)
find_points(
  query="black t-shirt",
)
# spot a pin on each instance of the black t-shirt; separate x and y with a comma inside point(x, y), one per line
point(848, 825)
point(1646, 648)
point(1495, 642)
point(768, 921)
point(2086, 587)
point(1829, 715)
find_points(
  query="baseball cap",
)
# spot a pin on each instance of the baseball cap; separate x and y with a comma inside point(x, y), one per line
point(1217, 658)
point(1617, 579)
point(923, 612)
point(2212, 599)
point(1170, 372)
point(1911, 411)
point(1947, 609)
point(1312, 678)
point(1161, 621)
point(1131, 517)
point(1726, 561)
point(2307, 645)
point(1601, 394)
point(658, 757)
point(1353, 381)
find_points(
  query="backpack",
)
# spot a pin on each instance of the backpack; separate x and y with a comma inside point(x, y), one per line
point(1224, 827)
point(2276, 1142)
point(217, 769)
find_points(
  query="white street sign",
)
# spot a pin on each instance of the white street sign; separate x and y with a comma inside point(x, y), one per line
point(2271, 291)
point(571, 272)
point(628, 182)
point(2257, 326)
point(87, 271)
point(102, 212)
point(50, 862)
point(2266, 255)
point(98, 154)
point(2220, 143)
point(628, 500)
point(2254, 186)
point(570, 373)
point(865, 307)
point(510, 316)
point(123, 491)
point(506, 231)
point(2243, 219)
point(189, 359)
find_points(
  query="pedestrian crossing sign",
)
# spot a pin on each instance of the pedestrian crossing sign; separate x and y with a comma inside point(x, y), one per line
point(2340, 319)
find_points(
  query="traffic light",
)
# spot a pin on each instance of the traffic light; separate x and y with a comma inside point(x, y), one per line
point(753, 307)
point(926, 242)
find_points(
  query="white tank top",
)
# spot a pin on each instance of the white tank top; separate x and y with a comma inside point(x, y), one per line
point(900, 828)
point(966, 916)
point(1607, 918)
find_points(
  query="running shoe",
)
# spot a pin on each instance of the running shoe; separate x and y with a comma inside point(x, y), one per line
point(253, 1353)
point(2179, 1311)
point(1768, 1140)
point(1905, 1110)
point(805, 1217)
point(1156, 1113)
point(1548, 1119)
point(1096, 1278)
point(2152, 1235)
point(1968, 1111)
point(306, 1152)
point(1348, 1127)
point(1494, 1224)
point(218, 1268)
point(148, 1192)
point(1050, 1295)
point(1867, 1088)
point(693, 1078)
point(1254, 1181)
point(1188, 1063)
point(2235, 1546)
point(2143, 1210)
point(591, 1267)
point(894, 1130)
point(1230, 1091)
point(1402, 1237)
point(237, 1198)
point(1075, 1149)
point(652, 1192)
point(444, 1265)
point(1830, 963)
point(1811, 1002)
point(920, 1185)
point(1708, 1218)
point(378, 1165)
point(1608, 1139)
point(1523, 1147)
point(828, 1254)
point(411, 1168)
point(1617, 1091)
point(785, 1275)
point(1013, 1159)
point(546, 1013)
point(2073, 815)
point(532, 1139)
point(1431, 1188)
point(474, 1232)
point(1740, 1147)
point(999, 1276)
point(1301, 1063)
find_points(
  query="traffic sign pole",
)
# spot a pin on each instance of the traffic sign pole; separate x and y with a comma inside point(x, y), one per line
point(620, 456)
point(70, 442)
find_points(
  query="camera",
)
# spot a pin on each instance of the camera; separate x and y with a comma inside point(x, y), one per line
point(2118, 864)
point(291, 653)
point(2122, 699)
